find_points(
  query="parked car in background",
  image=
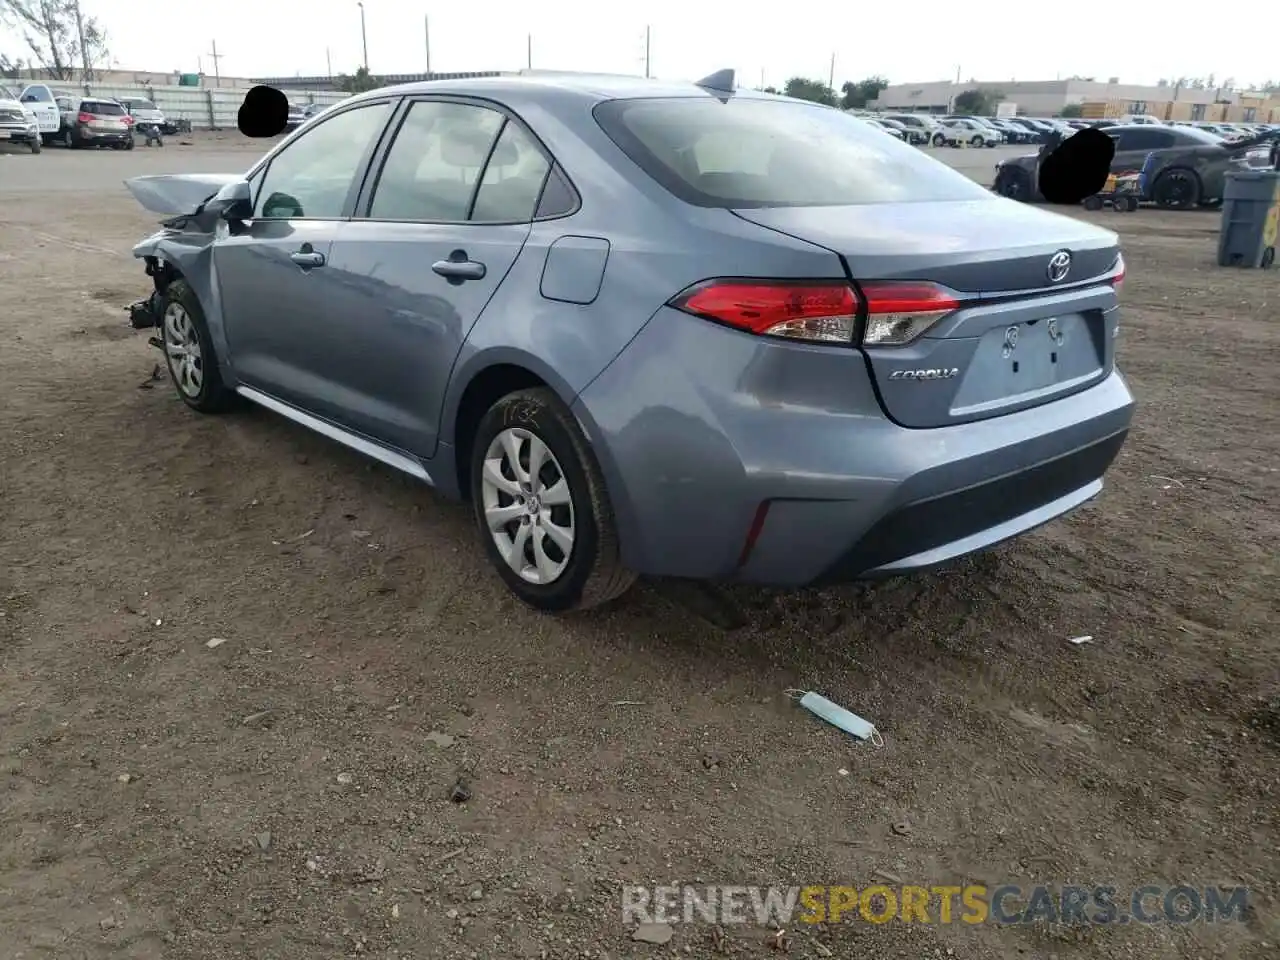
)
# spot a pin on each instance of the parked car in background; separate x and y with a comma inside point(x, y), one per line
point(18, 123)
point(94, 122)
point(1039, 131)
point(1013, 133)
point(987, 124)
point(892, 126)
point(146, 112)
point(1189, 167)
point(922, 128)
point(313, 109)
point(963, 130)
point(296, 117)
point(41, 99)
point(660, 367)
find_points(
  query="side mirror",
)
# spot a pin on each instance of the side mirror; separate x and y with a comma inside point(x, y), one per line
point(234, 202)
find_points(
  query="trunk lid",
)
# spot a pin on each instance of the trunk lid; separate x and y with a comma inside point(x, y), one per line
point(1017, 339)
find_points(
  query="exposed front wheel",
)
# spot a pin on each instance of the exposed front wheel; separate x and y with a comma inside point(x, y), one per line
point(188, 352)
point(541, 506)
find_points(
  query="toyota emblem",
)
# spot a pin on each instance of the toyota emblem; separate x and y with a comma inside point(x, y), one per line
point(1059, 266)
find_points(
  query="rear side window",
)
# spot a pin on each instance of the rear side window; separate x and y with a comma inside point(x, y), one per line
point(435, 161)
point(513, 179)
point(773, 153)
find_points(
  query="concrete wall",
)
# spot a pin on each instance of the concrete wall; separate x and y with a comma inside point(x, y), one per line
point(208, 108)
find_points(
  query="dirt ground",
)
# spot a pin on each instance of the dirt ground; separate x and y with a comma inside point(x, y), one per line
point(278, 795)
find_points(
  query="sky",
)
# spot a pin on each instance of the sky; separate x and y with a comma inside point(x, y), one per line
point(688, 40)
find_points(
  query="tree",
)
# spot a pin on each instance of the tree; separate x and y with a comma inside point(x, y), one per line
point(980, 102)
point(358, 82)
point(52, 30)
point(1070, 110)
point(855, 96)
point(813, 90)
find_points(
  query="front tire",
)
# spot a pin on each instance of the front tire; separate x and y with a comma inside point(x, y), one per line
point(939, 140)
point(189, 354)
point(541, 506)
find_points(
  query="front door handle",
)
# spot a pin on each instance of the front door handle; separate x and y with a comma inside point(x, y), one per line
point(459, 267)
point(307, 258)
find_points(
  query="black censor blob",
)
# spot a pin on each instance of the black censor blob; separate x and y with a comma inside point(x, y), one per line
point(1077, 168)
point(264, 113)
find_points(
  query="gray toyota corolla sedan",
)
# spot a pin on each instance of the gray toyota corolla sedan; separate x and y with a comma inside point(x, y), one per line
point(653, 328)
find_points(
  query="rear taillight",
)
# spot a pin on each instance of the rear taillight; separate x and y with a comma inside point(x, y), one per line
point(1117, 273)
point(899, 311)
point(128, 120)
point(84, 118)
point(822, 312)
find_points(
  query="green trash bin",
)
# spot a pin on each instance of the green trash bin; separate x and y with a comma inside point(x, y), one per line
point(1250, 216)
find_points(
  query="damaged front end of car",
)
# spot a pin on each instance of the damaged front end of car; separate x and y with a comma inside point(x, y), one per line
point(199, 206)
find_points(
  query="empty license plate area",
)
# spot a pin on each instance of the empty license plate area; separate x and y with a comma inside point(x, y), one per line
point(1031, 361)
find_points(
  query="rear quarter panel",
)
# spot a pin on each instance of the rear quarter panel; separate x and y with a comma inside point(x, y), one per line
point(658, 246)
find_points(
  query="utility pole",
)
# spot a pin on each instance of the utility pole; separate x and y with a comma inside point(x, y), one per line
point(426, 32)
point(216, 56)
point(84, 50)
point(529, 51)
point(364, 38)
point(328, 63)
point(831, 82)
point(646, 52)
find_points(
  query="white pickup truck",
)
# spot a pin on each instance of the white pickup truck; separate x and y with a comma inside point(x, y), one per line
point(41, 99)
point(18, 124)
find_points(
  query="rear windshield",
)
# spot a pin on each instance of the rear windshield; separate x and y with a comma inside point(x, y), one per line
point(101, 108)
point(37, 95)
point(773, 153)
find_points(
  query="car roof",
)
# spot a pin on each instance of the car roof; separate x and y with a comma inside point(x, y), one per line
point(587, 87)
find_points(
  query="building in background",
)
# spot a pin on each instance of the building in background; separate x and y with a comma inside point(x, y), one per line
point(1048, 97)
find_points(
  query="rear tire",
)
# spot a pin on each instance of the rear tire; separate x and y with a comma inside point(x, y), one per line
point(938, 140)
point(188, 352)
point(555, 524)
point(1177, 189)
point(1093, 203)
point(36, 145)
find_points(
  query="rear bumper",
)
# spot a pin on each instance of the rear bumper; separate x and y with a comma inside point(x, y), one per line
point(735, 459)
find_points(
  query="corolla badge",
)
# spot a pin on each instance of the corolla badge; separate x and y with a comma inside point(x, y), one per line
point(934, 373)
point(1059, 266)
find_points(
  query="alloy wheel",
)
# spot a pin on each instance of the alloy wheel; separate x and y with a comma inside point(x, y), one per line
point(182, 347)
point(527, 506)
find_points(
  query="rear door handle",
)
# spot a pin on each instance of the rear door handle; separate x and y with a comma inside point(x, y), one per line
point(307, 258)
point(458, 268)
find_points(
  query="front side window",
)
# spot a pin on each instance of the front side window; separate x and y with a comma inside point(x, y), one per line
point(312, 176)
point(769, 153)
point(435, 161)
